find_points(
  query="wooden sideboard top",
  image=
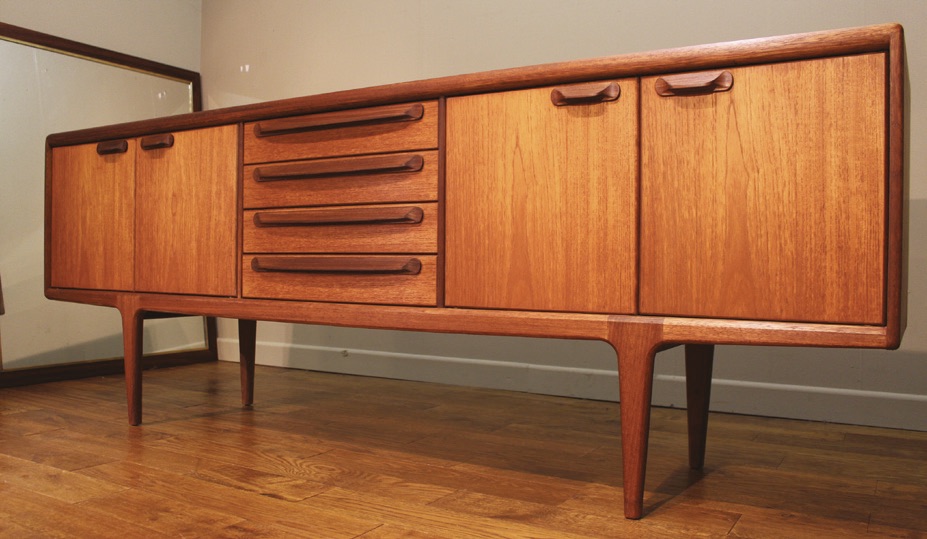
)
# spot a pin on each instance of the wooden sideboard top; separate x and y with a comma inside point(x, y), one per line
point(883, 37)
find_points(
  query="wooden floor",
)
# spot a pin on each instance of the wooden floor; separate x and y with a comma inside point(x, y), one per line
point(331, 456)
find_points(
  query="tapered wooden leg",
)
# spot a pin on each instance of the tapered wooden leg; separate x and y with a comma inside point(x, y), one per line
point(132, 328)
point(636, 345)
point(247, 342)
point(699, 361)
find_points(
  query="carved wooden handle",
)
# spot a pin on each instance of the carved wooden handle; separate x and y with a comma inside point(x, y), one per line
point(390, 164)
point(371, 265)
point(334, 120)
point(155, 142)
point(694, 83)
point(585, 94)
point(402, 215)
point(113, 146)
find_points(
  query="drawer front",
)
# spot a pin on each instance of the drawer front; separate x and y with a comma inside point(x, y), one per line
point(390, 280)
point(396, 228)
point(401, 177)
point(392, 128)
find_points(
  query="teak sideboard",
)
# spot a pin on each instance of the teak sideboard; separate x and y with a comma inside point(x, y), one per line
point(749, 192)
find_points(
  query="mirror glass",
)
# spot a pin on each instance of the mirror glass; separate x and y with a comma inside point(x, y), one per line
point(42, 92)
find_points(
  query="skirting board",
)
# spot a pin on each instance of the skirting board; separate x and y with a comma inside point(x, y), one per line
point(836, 405)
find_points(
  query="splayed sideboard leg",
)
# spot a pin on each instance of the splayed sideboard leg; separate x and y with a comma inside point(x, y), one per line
point(247, 342)
point(636, 345)
point(132, 327)
point(699, 361)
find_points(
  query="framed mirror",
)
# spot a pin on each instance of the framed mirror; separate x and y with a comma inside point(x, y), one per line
point(49, 85)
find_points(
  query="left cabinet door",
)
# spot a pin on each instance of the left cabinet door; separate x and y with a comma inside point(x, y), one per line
point(186, 212)
point(92, 216)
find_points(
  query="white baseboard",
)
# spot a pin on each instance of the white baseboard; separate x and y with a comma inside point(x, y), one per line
point(838, 405)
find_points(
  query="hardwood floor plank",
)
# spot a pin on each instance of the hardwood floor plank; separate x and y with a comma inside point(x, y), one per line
point(38, 450)
point(775, 525)
point(886, 467)
point(43, 516)
point(327, 455)
point(136, 446)
point(390, 531)
point(263, 483)
point(49, 481)
point(450, 477)
point(244, 504)
point(429, 519)
point(391, 478)
point(161, 513)
point(250, 530)
point(576, 518)
point(28, 422)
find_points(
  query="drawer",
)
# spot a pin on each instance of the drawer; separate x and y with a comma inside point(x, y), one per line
point(401, 177)
point(395, 228)
point(392, 280)
point(391, 128)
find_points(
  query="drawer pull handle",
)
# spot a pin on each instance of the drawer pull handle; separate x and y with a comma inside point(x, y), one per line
point(155, 142)
point(380, 265)
point(334, 120)
point(405, 215)
point(694, 83)
point(585, 94)
point(112, 147)
point(391, 164)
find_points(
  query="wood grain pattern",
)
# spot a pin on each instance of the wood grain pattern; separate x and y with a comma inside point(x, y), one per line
point(768, 201)
point(186, 214)
point(92, 219)
point(418, 289)
point(370, 237)
point(712, 56)
point(541, 203)
point(347, 456)
point(418, 134)
point(342, 188)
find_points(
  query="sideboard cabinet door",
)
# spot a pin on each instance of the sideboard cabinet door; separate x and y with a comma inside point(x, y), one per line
point(92, 216)
point(767, 201)
point(541, 201)
point(186, 202)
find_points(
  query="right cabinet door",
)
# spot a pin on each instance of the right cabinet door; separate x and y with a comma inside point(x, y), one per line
point(186, 212)
point(541, 199)
point(766, 201)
